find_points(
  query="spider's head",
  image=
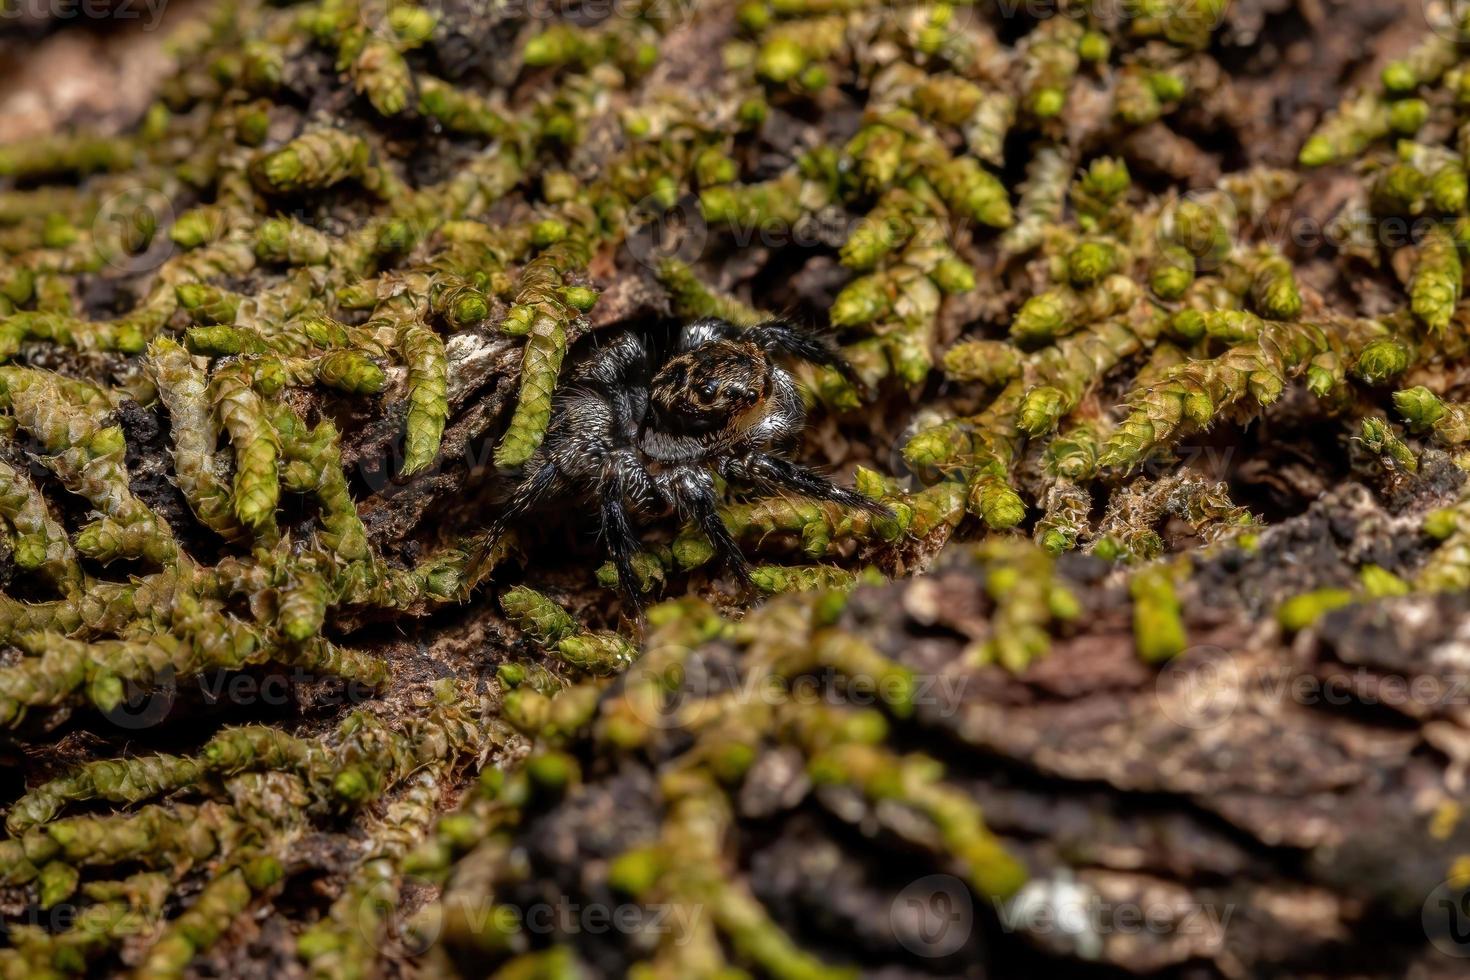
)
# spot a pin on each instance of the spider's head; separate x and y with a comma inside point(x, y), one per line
point(719, 386)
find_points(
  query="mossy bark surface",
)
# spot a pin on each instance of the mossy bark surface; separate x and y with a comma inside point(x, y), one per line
point(1155, 666)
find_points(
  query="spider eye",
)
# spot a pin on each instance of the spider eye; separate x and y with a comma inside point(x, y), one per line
point(708, 390)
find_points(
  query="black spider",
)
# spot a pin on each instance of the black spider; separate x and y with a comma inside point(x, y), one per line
point(643, 425)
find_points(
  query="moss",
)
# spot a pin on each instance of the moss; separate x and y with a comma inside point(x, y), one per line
point(552, 627)
point(1301, 611)
point(1158, 626)
point(185, 489)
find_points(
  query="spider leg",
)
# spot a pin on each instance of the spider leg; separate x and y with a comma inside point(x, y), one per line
point(694, 491)
point(531, 490)
point(618, 365)
point(776, 474)
point(534, 488)
point(774, 337)
point(781, 337)
point(618, 477)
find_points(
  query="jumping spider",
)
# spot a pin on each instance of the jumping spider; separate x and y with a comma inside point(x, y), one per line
point(646, 422)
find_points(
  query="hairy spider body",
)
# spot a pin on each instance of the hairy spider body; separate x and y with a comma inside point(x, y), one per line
point(645, 424)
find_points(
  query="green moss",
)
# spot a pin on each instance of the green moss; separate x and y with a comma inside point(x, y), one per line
point(1299, 612)
point(329, 276)
point(1158, 626)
